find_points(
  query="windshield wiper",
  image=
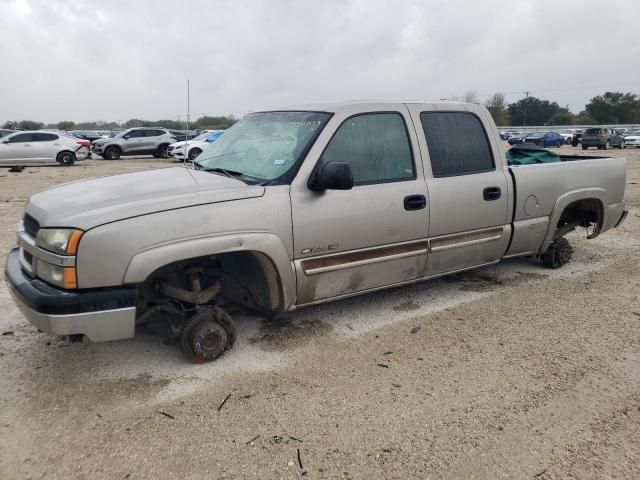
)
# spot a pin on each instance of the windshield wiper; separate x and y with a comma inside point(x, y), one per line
point(224, 171)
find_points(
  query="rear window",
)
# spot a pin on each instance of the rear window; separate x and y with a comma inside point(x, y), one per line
point(592, 131)
point(457, 143)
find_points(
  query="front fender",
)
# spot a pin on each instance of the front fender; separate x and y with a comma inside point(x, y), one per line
point(148, 261)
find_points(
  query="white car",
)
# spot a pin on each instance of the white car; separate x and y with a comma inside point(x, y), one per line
point(42, 146)
point(632, 139)
point(194, 146)
point(568, 135)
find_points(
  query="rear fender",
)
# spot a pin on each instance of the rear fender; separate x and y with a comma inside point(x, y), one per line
point(564, 201)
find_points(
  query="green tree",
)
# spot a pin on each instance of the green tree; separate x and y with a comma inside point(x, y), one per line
point(583, 119)
point(562, 117)
point(10, 125)
point(30, 125)
point(497, 107)
point(134, 122)
point(532, 111)
point(214, 123)
point(65, 125)
point(614, 107)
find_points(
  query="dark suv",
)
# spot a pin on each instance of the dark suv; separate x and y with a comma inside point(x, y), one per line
point(603, 138)
point(135, 141)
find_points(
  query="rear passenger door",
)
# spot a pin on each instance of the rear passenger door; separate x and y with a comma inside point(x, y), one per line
point(468, 190)
point(46, 145)
point(151, 140)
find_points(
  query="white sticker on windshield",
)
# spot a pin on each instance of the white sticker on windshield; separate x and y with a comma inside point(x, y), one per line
point(280, 161)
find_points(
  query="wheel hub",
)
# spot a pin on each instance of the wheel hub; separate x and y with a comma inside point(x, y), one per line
point(209, 340)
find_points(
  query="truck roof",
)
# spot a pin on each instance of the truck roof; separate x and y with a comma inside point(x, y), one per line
point(334, 107)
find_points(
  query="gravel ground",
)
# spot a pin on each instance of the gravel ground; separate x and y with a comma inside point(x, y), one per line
point(511, 371)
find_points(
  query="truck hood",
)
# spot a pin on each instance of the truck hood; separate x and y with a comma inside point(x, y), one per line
point(88, 203)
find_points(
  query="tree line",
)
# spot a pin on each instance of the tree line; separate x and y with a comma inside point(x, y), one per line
point(609, 108)
point(205, 122)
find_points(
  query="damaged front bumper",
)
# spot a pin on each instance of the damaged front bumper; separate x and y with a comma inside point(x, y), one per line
point(100, 314)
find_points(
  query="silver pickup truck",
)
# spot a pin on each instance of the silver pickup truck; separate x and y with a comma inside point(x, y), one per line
point(294, 207)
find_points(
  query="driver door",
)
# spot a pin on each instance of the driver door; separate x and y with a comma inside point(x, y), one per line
point(16, 147)
point(374, 235)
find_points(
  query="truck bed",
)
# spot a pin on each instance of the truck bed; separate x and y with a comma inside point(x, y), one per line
point(543, 189)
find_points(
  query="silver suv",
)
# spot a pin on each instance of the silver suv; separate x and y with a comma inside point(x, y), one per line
point(135, 141)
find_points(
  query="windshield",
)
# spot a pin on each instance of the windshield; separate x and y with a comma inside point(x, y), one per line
point(592, 131)
point(264, 145)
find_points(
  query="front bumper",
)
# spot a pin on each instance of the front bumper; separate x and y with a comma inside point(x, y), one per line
point(100, 314)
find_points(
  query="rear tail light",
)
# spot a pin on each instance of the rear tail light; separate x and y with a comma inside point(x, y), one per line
point(84, 143)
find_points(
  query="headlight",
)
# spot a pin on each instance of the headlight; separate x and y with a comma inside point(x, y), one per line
point(64, 277)
point(63, 241)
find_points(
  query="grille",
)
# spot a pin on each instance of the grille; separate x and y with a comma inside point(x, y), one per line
point(31, 225)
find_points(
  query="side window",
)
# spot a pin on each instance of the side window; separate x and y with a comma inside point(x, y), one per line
point(154, 133)
point(375, 145)
point(457, 143)
point(44, 137)
point(21, 138)
point(136, 133)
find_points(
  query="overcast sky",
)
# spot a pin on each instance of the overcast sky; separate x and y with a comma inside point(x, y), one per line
point(116, 59)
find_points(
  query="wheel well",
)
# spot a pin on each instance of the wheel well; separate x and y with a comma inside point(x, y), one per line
point(248, 278)
point(585, 213)
point(113, 145)
point(64, 151)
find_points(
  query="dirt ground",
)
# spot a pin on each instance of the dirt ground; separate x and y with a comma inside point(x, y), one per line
point(512, 371)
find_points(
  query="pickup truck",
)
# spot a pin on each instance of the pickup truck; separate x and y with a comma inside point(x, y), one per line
point(294, 207)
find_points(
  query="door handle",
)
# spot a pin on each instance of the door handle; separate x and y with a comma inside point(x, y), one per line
point(491, 193)
point(415, 202)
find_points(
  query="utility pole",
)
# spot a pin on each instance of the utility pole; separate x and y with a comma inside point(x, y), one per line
point(526, 106)
point(186, 137)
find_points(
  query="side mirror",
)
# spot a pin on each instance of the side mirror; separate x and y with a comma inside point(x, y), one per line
point(5, 141)
point(126, 137)
point(331, 176)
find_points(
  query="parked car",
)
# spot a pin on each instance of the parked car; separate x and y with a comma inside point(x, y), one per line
point(632, 139)
point(87, 135)
point(603, 138)
point(194, 147)
point(545, 139)
point(182, 135)
point(284, 211)
point(134, 141)
point(577, 138)
point(41, 146)
point(568, 135)
point(517, 138)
